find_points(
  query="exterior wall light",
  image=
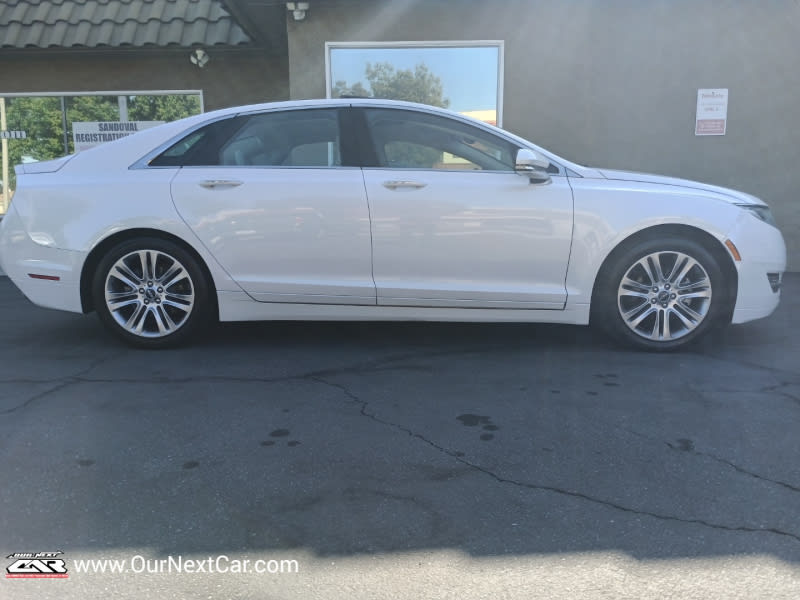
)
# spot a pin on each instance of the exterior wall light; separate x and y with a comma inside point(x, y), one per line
point(298, 9)
point(199, 57)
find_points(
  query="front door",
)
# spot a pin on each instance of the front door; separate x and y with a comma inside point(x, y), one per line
point(454, 226)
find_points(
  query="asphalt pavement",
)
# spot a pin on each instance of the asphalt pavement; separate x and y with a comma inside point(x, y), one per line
point(400, 461)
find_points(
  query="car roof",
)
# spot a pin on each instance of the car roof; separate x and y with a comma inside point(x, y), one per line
point(330, 102)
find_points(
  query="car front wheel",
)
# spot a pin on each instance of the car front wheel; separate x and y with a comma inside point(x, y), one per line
point(150, 292)
point(661, 294)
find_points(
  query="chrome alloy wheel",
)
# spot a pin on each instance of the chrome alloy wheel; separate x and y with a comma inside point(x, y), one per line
point(149, 293)
point(664, 296)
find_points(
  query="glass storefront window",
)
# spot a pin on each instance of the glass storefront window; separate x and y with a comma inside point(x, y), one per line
point(162, 108)
point(56, 125)
point(462, 76)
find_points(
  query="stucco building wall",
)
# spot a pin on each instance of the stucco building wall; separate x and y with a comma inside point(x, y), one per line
point(613, 83)
point(229, 78)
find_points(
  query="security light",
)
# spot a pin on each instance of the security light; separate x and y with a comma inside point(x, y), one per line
point(199, 57)
point(298, 9)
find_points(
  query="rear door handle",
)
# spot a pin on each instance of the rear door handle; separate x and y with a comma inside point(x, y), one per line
point(402, 183)
point(212, 184)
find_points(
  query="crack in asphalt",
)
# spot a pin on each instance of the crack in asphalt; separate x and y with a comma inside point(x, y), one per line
point(64, 382)
point(79, 377)
point(319, 376)
point(774, 388)
point(719, 459)
point(35, 397)
point(744, 363)
point(382, 364)
point(540, 487)
point(735, 467)
point(778, 389)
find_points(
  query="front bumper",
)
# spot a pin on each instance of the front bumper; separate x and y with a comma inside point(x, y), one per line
point(763, 263)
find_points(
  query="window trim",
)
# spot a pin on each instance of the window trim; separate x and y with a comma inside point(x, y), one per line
point(359, 132)
point(499, 44)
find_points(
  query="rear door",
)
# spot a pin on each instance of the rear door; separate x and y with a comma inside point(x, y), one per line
point(272, 197)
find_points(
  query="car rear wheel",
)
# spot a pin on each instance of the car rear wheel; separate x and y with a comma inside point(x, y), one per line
point(661, 294)
point(150, 292)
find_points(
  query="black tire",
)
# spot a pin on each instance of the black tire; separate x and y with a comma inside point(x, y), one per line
point(688, 298)
point(167, 305)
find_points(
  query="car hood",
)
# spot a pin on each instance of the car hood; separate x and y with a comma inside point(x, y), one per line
point(733, 196)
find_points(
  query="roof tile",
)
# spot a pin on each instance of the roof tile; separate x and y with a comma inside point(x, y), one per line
point(117, 23)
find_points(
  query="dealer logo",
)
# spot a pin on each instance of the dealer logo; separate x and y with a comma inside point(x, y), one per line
point(36, 565)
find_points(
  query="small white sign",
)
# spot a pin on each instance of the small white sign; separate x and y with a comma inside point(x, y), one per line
point(13, 135)
point(88, 134)
point(712, 112)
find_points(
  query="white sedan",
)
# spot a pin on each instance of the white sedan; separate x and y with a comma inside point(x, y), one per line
point(358, 209)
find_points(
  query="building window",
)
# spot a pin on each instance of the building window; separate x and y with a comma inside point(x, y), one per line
point(55, 125)
point(466, 77)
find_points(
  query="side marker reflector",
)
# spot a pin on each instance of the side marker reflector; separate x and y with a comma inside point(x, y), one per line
point(733, 250)
point(46, 277)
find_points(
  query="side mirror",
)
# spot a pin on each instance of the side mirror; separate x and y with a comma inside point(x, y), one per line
point(531, 165)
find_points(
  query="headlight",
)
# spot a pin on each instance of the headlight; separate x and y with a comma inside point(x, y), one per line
point(760, 212)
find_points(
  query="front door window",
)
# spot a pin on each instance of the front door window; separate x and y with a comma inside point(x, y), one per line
point(415, 140)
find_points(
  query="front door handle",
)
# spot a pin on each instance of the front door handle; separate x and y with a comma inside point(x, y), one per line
point(402, 183)
point(212, 184)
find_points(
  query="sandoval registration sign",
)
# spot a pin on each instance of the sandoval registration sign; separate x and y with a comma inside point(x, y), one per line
point(88, 134)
